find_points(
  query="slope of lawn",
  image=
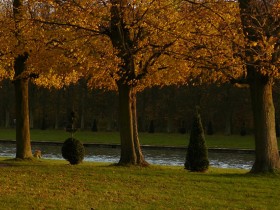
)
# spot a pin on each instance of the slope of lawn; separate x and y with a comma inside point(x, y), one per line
point(160, 139)
point(57, 185)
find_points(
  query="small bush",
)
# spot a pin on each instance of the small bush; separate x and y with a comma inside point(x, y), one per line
point(73, 151)
point(197, 154)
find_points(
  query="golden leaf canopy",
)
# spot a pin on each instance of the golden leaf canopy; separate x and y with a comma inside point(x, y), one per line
point(138, 42)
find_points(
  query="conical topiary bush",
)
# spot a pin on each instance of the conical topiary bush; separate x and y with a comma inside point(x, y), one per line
point(197, 154)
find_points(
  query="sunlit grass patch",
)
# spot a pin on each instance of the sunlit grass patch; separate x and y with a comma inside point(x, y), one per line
point(52, 184)
point(159, 139)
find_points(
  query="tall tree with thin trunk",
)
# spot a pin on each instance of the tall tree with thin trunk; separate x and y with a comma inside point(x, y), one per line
point(21, 88)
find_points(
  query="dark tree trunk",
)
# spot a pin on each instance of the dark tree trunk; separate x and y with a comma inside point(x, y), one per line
point(32, 93)
point(120, 37)
point(82, 93)
point(140, 158)
point(171, 106)
point(255, 25)
point(7, 102)
point(82, 107)
point(228, 113)
point(57, 108)
point(228, 124)
point(131, 153)
point(267, 155)
point(23, 144)
point(128, 155)
point(7, 118)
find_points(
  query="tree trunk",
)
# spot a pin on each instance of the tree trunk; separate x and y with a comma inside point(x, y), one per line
point(57, 108)
point(131, 153)
point(23, 144)
point(266, 148)
point(82, 110)
point(140, 157)
point(267, 155)
point(121, 40)
point(228, 114)
point(171, 106)
point(128, 155)
point(82, 88)
point(228, 124)
point(7, 118)
point(31, 105)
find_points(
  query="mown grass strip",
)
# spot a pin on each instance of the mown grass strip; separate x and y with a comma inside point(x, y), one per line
point(159, 139)
point(57, 185)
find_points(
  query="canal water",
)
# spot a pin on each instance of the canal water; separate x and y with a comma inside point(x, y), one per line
point(173, 157)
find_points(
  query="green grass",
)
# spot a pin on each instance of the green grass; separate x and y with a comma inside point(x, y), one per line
point(161, 139)
point(57, 185)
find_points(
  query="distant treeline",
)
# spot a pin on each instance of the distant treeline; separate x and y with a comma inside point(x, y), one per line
point(224, 109)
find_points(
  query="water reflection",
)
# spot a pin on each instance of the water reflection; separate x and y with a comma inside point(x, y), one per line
point(153, 156)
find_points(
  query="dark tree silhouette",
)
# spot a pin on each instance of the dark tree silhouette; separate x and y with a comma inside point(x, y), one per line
point(71, 124)
point(243, 131)
point(210, 130)
point(197, 154)
point(151, 127)
point(94, 126)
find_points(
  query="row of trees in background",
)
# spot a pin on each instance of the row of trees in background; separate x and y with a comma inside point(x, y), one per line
point(224, 109)
point(128, 46)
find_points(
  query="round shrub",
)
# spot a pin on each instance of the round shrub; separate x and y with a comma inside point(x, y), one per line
point(73, 151)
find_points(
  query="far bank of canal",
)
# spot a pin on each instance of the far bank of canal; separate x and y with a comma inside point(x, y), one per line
point(162, 155)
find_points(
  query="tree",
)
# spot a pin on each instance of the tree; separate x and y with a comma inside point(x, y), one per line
point(24, 52)
point(21, 86)
point(126, 44)
point(243, 131)
point(134, 52)
point(197, 154)
point(260, 24)
point(249, 45)
point(277, 128)
point(151, 127)
point(210, 130)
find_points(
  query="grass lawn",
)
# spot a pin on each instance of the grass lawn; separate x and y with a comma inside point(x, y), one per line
point(161, 139)
point(57, 185)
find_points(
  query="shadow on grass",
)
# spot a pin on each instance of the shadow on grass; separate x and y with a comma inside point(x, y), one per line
point(12, 162)
point(247, 174)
